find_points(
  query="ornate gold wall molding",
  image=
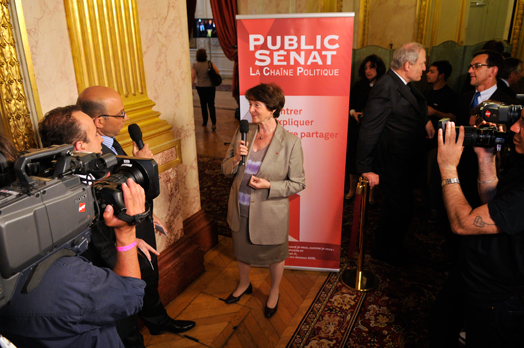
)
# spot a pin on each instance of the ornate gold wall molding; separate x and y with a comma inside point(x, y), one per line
point(107, 51)
point(363, 23)
point(15, 112)
point(421, 22)
point(434, 22)
point(516, 29)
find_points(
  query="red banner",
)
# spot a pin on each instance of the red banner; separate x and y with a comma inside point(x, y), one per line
point(309, 56)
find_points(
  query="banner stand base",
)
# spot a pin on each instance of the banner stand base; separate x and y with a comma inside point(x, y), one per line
point(361, 281)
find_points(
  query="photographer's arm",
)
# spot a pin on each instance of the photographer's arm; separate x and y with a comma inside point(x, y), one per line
point(127, 261)
point(463, 219)
point(487, 179)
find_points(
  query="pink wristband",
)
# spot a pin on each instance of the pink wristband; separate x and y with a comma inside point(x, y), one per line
point(127, 247)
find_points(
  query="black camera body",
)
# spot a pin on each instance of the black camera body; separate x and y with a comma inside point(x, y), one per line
point(488, 136)
point(49, 208)
point(495, 112)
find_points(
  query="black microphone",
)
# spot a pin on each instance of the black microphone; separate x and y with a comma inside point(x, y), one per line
point(136, 135)
point(244, 128)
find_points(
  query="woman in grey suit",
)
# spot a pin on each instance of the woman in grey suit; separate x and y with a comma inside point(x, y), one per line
point(258, 208)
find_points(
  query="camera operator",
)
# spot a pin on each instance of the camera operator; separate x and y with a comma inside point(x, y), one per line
point(69, 125)
point(485, 293)
point(76, 303)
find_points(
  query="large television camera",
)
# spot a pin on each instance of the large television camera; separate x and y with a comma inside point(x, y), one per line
point(48, 206)
point(488, 135)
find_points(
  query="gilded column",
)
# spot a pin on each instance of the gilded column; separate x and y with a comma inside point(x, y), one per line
point(516, 31)
point(421, 23)
point(15, 112)
point(107, 51)
point(363, 23)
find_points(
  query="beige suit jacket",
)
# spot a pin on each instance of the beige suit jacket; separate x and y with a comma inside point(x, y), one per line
point(269, 208)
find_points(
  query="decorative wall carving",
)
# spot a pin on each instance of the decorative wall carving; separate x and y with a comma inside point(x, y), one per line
point(422, 19)
point(14, 109)
point(516, 31)
point(363, 23)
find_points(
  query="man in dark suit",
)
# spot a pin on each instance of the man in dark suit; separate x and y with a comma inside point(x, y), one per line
point(483, 71)
point(106, 108)
point(390, 146)
point(510, 75)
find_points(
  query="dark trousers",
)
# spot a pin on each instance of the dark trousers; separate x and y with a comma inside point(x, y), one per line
point(434, 182)
point(395, 216)
point(207, 100)
point(397, 185)
point(487, 323)
point(153, 312)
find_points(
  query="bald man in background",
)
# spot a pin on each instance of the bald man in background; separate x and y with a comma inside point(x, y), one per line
point(105, 106)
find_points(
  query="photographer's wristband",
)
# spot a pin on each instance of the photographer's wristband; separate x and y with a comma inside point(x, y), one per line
point(487, 182)
point(450, 181)
point(127, 247)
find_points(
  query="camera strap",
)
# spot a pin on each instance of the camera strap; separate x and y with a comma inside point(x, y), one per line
point(135, 219)
point(39, 271)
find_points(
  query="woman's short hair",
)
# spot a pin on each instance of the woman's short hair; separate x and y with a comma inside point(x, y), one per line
point(376, 62)
point(201, 55)
point(270, 94)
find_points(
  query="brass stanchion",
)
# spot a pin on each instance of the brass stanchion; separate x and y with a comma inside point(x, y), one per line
point(357, 278)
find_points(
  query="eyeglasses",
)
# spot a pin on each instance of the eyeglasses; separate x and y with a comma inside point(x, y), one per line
point(116, 116)
point(478, 65)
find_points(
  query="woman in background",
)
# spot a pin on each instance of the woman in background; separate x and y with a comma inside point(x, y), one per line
point(258, 208)
point(370, 70)
point(206, 90)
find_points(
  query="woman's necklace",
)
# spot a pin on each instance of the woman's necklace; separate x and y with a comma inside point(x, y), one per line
point(270, 131)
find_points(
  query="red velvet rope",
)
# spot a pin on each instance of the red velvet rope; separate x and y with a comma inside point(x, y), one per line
point(356, 225)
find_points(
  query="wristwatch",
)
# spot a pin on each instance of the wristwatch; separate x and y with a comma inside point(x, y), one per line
point(450, 181)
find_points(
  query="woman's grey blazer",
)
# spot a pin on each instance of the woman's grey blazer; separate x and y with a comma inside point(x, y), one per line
point(269, 209)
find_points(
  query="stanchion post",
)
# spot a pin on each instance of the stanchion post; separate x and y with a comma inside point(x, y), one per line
point(357, 278)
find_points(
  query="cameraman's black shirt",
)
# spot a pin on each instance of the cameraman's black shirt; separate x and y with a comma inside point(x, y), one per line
point(492, 266)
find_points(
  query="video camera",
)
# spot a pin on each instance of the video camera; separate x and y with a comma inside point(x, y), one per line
point(47, 207)
point(487, 135)
point(495, 112)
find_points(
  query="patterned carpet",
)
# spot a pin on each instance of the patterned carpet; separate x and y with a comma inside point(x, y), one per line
point(214, 191)
point(393, 315)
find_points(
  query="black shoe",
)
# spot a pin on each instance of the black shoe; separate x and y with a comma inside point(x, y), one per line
point(173, 326)
point(214, 127)
point(268, 312)
point(233, 299)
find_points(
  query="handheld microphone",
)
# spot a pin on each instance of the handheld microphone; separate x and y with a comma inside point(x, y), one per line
point(136, 135)
point(244, 128)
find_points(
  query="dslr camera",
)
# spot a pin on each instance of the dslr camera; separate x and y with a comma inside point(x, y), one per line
point(47, 207)
point(487, 135)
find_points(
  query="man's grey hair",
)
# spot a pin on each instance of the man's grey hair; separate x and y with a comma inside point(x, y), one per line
point(407, 53)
